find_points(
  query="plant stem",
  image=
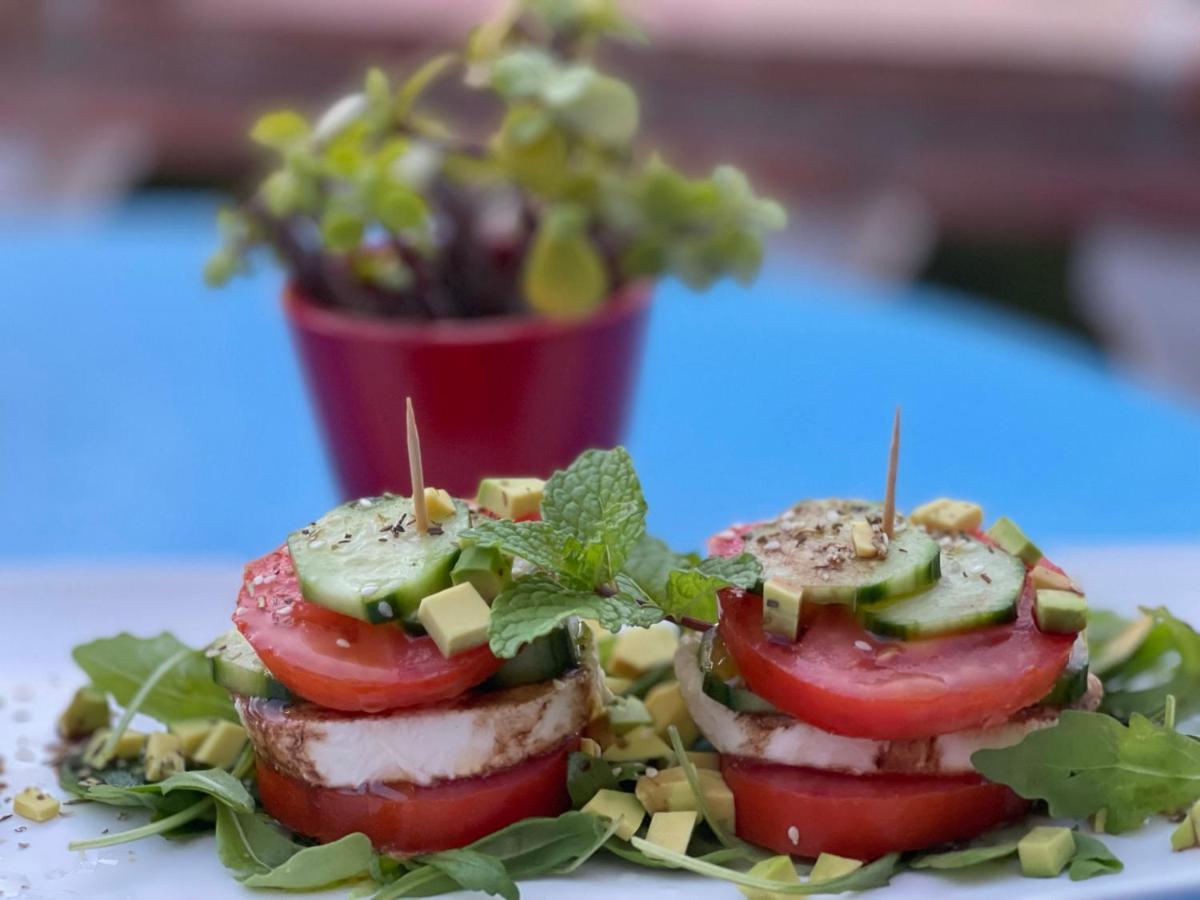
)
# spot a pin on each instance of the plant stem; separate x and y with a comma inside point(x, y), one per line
point(105, 753)
point(162, 826)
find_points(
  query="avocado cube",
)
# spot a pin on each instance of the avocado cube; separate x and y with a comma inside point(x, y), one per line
point(1045, 851)
point(588, 747)
point(777, 868)
point(665, 705)
point(863, 536)
point(639, 745)
point(672, 830)
point(669, 791)
point(87, 713)
point(487, 568)
point(164, 756)
point(618, 807)
point(439, 505)
point(703, 759)
point(830, 866)
point(1184, 836)
point(1042, 576)
point(456, 618)
point(129, 744)
point(628, 713)
point(1011, 539)
point(1060, 612)
point(781, 609)
point(944, 514)
point(35, 805)
point(191, 733)
point(221, 746)
point(617, 685)
point(638, 650)
point(511, 498)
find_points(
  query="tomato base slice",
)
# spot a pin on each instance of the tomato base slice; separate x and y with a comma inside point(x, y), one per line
point(806, 812)
point(406, 818)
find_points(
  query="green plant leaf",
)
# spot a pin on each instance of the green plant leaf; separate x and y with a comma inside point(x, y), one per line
point(541, 543)
point(564, 274)
point(1090, 761)
point(522, 73)
point(119, 665)
point(601, 107)
point(1092, 859)
point(474, 871)
point(341, 230)
point(400, 208)
point(588, 774)
point(320, 866)
point(280, 130)
point(650, 563)
point(692, 593)
point(251, 843)
point(1166, 662)
point(965, 858)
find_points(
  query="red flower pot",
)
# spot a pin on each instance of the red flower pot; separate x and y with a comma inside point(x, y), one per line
point(502, 396)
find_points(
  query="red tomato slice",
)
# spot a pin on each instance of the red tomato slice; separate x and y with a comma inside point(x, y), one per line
point(406, 818)
point(805, 812)
point(341, 662)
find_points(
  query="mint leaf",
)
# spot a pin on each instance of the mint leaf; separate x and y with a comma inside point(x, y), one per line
point(540, 543)
point(474, 871)
point(1090, 761)
point(651, 561)
point(598, 498)
point(692, 593)
point(537, 604)
point(1092, 859)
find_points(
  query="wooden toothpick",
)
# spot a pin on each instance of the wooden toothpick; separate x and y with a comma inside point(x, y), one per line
point(889, 496)
point(415, 470)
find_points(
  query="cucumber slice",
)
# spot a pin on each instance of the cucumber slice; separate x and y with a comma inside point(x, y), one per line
point(237, 668)
point(722, 681)
point(540, 660)
point(980, 586)
point(810, 546)
point(365, 558)
point(1072, 683)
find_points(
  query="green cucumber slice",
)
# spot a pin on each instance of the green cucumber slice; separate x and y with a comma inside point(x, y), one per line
point(237, 668)
point(809, 546)
point(980, 586)
point(1072, 683)
point(365, 558)
point(541, 659)
point(728, 691)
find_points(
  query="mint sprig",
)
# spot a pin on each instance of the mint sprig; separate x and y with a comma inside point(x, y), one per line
point(592, 558)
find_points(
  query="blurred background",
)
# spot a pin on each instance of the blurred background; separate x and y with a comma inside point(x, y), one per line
point(995, 222)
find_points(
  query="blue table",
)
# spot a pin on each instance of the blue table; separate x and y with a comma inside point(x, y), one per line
point(141, 415)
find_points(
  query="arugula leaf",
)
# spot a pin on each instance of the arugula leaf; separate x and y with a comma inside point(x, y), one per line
point(215, 783)
point(251, 843)
point(599, 499)
point(587, 775)
point(1090, 761)
point(119, 665)
point(965, 858)
point(1169, 659)
point(537, 604)
point(474, 871)
point(320, 866)
point(1092, 859)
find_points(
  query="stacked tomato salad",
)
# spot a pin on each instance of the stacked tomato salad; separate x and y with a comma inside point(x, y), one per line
point(361, 670)
point(848, 693)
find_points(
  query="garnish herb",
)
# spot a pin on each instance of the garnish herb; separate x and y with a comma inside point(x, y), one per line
point(1167, 662)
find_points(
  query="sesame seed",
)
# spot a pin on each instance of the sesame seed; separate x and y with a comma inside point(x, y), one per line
point(364, 503)
point(832, 515)
point(342, 642)
point(385, 609)
point(726, 534)
point(258, 579)
point(651, 771)
point(863, 645)
point(316, 545)
point(793, 834)
point(772, 545)
point(369, 588)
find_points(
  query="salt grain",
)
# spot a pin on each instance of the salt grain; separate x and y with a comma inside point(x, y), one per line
point(385, 609)
point(793, 834)
point(342, 642)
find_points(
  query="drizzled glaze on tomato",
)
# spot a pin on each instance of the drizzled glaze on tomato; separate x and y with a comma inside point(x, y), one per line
point(341, 662)
point(842, 678)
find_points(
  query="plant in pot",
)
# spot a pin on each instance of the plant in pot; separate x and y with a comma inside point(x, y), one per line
point(497, 268)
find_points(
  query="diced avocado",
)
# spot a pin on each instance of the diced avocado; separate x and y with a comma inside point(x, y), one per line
point(221, 746)
point(637, 650)
point(618, 807)
point(1122, 646)
point(863, 536)
point(672, 830)
point(511, 498)
point(191, 733)
point(617, 685)
point(439, 505)
point(456, 618)
point(829, 866)
point(589, 747)
point(781, 608)
point(1012, 540)
point(1045, 851)
point(1100, 820)
point(628, 713)
point(1060, 612)
point(1184, 836)
point(668, 791)
point(164, 756)
point(777, 868)
point(1042, 576)
point(35, 805)
point(639, 745)
point(129, 744)
point(87, 713)
point(703, 759)
point(945, 514)
point(487, 568)
point(665, 704)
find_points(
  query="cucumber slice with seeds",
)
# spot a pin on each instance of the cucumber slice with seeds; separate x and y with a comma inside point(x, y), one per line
point(365, 558)
point(980, 586)
point(237, 668)
point(540, 660)
point(810, 546)
point(722, 681)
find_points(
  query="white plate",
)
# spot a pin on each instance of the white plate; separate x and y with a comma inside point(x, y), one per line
point(44, 612)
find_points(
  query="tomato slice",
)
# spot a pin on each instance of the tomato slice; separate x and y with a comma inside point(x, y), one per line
point(806, 812)
point(341, 662)
point(407, 818)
